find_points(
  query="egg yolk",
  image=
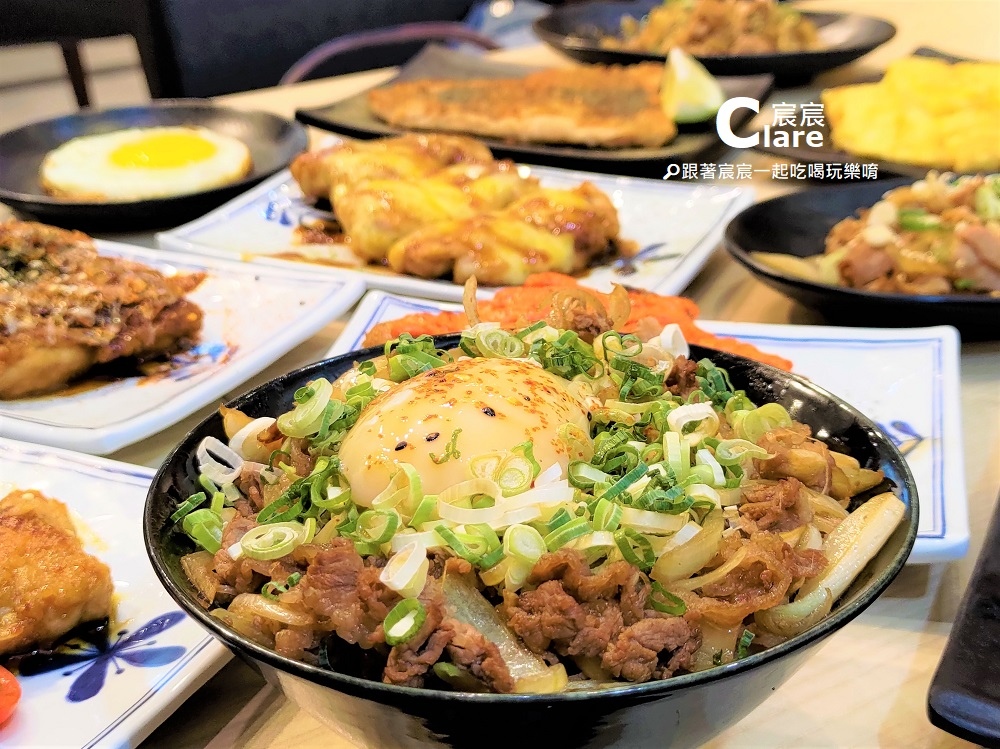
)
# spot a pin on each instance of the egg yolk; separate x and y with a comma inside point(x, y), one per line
point(163, 151)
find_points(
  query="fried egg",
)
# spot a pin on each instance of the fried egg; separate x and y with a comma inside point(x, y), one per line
point(496, 404)
point(144, 163)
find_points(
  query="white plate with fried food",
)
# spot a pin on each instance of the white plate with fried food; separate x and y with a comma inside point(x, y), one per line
point(910, 388)
point(419, 214)
point(104, 344)
point(61, 512)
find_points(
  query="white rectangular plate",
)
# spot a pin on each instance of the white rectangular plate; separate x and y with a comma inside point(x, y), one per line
point(904, 379)
point(687, 219)
point(252, 318)
point(117, 697)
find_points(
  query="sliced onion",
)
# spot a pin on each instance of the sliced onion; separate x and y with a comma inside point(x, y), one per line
point(426, 539)
point(549, 476)
point(672, 341)
point(249, 605)
point(689, 557)
point(406, 571)
point(218, 461)
point(792, 619)
point(544, 496)
point(704, 492)
point(715, 575)
point(524, 544)
point(245, 441)
point(646, 521)
point(199, 568)
point(682, 536)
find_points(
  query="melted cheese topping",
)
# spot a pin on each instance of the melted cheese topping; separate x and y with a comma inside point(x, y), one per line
point(497, 403)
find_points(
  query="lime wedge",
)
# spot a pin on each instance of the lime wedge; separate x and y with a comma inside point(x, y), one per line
point(689, 93)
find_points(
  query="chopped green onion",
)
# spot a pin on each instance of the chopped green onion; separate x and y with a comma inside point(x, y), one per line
point(406, 571)
point(531, 329)
point(677, 453)
point(272, 541)
point(207, 484)
point(584, 476)
point(337, 498)
point(375, 527)
point(188, 505)
point(635, 548)
point(404, 621)
point(204, 527)
point(218, 502)
point(762, 420)
point(524, 544)
point(917, 219)
point(485, 466)
point(607, 515)
point(403, 492)
point(451, 451)
point(743, 648)
point(426, 511)
point(459, 544)
point(499, 344)
point(731, 452)
point(567, 532)
point(666, 602)
point(626, 481)
point(305, 417)
point(273, 589)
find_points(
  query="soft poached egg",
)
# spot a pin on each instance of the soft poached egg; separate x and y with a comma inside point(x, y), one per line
point(144, 163)
point(496, 403)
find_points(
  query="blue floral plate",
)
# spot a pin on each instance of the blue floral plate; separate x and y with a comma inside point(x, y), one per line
point(110, 691)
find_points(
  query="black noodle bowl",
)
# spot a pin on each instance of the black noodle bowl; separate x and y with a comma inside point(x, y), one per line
point(684, 710)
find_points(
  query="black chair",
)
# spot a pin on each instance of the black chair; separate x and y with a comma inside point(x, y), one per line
point(203, 48)
point(68, 22)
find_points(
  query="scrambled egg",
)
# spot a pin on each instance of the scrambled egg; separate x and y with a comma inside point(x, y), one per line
point(925, 112)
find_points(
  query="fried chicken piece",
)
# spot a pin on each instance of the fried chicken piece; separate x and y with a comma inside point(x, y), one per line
point(331, 172)
point(48, 583)
point(64, 308)
point(592, 105)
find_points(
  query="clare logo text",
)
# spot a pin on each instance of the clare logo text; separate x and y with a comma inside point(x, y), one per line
point(792, 125)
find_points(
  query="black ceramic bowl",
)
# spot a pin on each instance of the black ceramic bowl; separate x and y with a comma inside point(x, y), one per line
point(273, 142)
point(680, 712)
point(797, 224)
point(576, 30)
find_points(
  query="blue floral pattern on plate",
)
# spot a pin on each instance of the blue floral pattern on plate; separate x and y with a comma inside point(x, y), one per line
point(91, 659)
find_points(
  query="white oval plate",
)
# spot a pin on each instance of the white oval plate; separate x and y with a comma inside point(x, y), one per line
point(905, 379)
point(253, 316)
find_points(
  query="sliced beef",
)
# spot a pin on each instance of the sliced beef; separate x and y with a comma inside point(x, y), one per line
point(545, 615)
point(682, 378)
point(339, 587)
point(654, 647)
point(237, 574)
point(411, 660)
point(779, 506)
point(472, 651)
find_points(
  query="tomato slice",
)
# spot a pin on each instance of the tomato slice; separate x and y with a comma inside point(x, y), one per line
point(10, 693)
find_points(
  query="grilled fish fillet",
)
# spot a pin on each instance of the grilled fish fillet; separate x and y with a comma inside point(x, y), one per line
point(594, 105)
point(48, 583)
point(64, 308)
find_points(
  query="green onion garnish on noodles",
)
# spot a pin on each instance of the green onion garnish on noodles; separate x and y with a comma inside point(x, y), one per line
point(404, 621)
point(188, 505)
point(666, 602)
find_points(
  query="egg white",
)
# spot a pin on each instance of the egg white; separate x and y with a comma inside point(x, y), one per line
point(82, 168)
point(526, 403)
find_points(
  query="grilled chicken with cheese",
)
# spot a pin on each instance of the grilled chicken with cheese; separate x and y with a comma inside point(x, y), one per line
point(64, 308)
point(546, 230)
point(48, 583)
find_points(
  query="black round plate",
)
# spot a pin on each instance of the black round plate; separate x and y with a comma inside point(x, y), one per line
point(576, 29)
point(272, 140)
point(684, 714)
point(798, 224)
